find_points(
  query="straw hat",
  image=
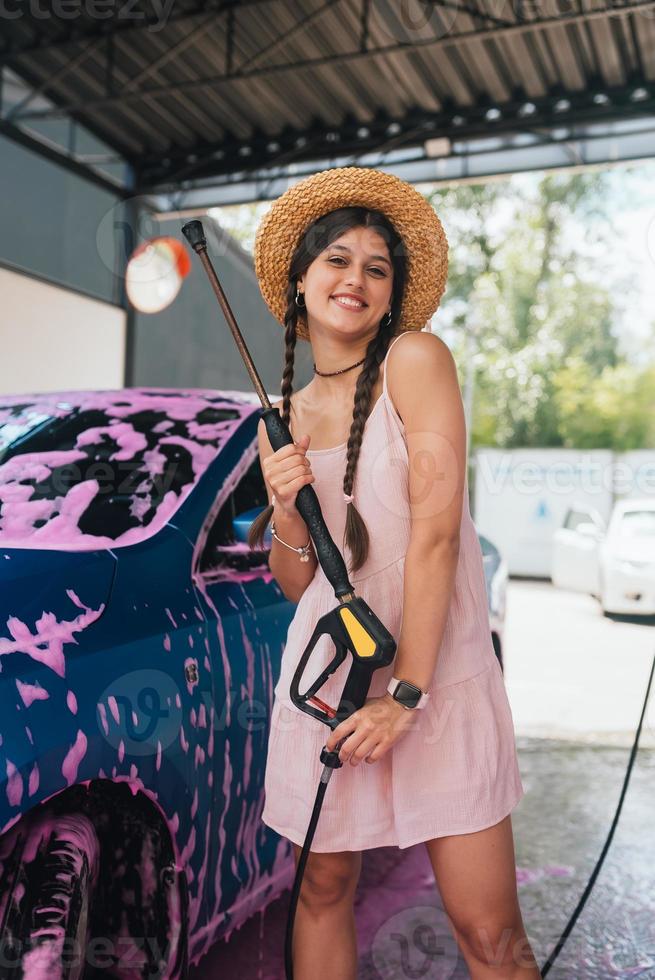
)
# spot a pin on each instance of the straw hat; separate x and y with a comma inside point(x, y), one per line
point(414, 219)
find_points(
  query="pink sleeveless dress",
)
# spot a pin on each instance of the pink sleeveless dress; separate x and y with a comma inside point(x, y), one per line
point(454, 772)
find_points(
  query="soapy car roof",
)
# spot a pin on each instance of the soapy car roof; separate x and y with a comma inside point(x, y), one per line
point(81, 470)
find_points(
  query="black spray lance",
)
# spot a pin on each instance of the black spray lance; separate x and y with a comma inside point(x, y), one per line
point(352, 626)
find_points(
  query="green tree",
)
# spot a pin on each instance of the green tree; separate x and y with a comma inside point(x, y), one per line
point(613, 410)
point(531, 282)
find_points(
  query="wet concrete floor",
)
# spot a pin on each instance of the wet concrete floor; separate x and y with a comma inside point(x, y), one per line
point(560, 826)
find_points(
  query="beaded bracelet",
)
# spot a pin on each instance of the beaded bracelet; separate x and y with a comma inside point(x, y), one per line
point(304, 551)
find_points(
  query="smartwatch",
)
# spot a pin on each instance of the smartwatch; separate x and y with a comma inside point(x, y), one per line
point(409, 695)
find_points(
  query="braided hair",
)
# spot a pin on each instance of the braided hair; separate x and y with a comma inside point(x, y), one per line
point(315, 240)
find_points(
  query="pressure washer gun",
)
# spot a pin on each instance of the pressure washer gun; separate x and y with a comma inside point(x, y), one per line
point(352, 625)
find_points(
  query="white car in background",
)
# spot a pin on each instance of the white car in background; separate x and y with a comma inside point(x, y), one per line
point(617, 564)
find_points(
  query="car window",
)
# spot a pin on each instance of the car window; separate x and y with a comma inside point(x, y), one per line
point(638, 523)
point(82, 470)
point(575, 517)
point(223, 549)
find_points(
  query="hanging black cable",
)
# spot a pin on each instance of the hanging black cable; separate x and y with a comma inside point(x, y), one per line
point(594, 874)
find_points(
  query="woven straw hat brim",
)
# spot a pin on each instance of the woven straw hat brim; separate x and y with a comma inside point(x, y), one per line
point(423, 236)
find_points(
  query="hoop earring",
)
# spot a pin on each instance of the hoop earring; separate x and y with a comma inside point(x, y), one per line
point(388, 321)
point(303, 305)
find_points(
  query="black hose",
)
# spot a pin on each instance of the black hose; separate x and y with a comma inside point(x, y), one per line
point(300, 870)
point(594, 874)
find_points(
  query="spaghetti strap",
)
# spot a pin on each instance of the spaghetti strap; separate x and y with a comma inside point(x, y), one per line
point(385, 390)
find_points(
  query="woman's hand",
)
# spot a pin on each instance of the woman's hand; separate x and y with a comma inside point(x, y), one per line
point(286, 472)
point(371, 731)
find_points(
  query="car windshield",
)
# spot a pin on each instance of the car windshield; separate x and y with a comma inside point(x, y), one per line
point(82, 470)
point(638, 524)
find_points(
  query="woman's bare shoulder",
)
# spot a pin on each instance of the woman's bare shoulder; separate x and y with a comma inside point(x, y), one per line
point(421, 351)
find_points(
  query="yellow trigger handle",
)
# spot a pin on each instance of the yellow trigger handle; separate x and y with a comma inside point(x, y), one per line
point(363, 643)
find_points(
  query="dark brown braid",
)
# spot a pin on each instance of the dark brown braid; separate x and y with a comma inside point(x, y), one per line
point(317, 238)
point(355, 532)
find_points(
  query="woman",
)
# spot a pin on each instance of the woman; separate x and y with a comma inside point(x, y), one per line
point(353, 260)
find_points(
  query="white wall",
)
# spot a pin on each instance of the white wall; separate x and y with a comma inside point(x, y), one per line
point(52, 338)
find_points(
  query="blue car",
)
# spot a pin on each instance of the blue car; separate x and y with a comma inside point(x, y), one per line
point(140, 642)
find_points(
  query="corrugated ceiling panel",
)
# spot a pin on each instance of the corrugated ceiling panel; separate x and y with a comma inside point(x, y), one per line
point(453, 84)
point(568, 53)
point(486, 74)
point(614, 67)
point(181, 112)
point(81, 85)
point(539, 45)
point(276, 31)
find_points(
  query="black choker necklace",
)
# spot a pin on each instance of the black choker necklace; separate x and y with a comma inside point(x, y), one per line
point(331, 374)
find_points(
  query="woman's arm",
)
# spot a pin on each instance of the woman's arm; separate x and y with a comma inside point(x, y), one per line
point(291, 574)
point(427, 395)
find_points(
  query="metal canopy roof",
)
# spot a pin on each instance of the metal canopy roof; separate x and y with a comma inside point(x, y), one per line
point(187, 92)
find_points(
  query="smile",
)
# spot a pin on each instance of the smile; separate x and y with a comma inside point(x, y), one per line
point(348, 304)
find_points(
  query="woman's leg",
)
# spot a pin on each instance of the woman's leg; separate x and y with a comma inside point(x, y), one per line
point(324, 940)
point(476, 876)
